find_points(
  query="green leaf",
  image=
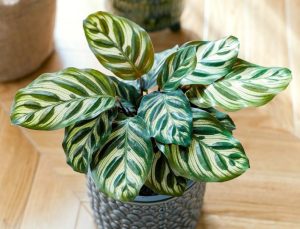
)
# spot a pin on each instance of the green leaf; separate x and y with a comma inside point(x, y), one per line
point(120, 45)
point(222, 117)
point(214, 60)
point(214, 155)
point(149, 79)
point(178, 65)
point(162, 179)
point(57, 100)
point(122, 166)
point(247, 85)
point(85, 138)
point(168, 116)
point(128, 94)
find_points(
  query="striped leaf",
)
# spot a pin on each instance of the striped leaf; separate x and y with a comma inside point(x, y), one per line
point(128, 94)
point(214, 60)
point(85, 138)
point(168, 116)
point(178, 65)
point(214, 155)
point(222, 117)
point(247, 85)
point(122, 165)
point(57, 100)
point(149, 79)
point(120, 45)
point(162, 179)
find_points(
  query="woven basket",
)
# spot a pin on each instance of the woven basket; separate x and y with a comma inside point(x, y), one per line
point(152, 15)
point(148, 212)
point(26, 36)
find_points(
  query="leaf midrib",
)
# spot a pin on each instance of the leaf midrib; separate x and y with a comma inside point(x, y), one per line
point(70, 101)
point(166, 106)
point(126, 57)
point(126, 152)
point(216, 152)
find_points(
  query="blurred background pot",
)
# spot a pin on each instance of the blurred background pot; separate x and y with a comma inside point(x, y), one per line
point(26, 36)
point(152, 15)
point(149, 212)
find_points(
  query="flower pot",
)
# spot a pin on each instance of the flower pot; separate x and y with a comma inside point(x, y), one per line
point(152, 15)
point(26, 37)
point(147, 212)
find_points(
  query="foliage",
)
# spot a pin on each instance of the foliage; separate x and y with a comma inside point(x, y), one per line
point(127, 137)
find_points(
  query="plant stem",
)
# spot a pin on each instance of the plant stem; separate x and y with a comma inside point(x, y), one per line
point(141, 87)
point(122, 107)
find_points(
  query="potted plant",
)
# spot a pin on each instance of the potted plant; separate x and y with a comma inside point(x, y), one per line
point(26, 37)
point(150, 136)
point(152, 15)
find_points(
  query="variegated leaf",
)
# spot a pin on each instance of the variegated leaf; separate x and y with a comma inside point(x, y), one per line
point(178, 65)
point(214, 154)
point(149, 80)
point(85, 138)
point(247, 85)
point(57, 100)
point(128, 94)
point(122, 166)
point(214, 60)
point(162, 179)
point(222, 117)
point(168, 116)
point(120, 45)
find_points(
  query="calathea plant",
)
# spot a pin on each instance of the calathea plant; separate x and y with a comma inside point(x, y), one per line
point(124, 134)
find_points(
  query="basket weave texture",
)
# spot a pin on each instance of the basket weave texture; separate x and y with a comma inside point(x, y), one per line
point(26, 36)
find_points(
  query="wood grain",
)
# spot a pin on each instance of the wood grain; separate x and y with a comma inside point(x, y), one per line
point(260, 26)
point(38, 189)
point(293, 36)
point(18, 164)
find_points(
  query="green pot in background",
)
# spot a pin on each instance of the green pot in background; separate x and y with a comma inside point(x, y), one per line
point(152, 15)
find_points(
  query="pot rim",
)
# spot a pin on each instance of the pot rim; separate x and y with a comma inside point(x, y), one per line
point(148, 200)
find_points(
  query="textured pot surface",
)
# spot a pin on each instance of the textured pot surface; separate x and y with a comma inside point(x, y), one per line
point(150, 14)
point(26, 37)
point(148, 212)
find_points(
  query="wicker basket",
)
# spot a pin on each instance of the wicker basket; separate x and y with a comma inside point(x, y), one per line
point(148, 211)
point(26, 37)
point(152, 15)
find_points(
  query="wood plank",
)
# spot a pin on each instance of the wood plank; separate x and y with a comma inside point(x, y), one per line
point(52, 202)
point(217, 222)
point(293, 35)
point(85, 217)
point(261, 28)
point(268, 194)
point(18, 164)
point(265, 29)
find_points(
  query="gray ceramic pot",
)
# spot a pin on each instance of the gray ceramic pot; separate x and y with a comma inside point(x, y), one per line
point(148, 211)
point(152, 15)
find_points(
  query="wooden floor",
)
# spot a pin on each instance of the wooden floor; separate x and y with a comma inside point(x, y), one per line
point(38, 190)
